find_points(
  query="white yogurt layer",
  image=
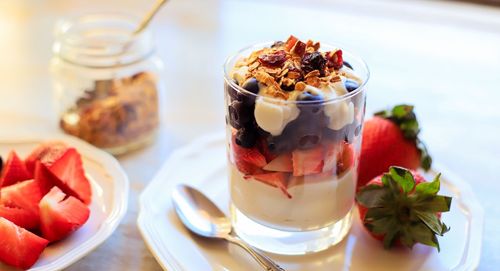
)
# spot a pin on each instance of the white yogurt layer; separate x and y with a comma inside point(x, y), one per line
point(273, 116)
point(317, 201)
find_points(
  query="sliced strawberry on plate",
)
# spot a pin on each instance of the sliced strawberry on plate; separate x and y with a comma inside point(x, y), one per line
point(47, 150)
point(306, 162)
point(282, 163)
point(66, 165)
point(275, 179)
point(24, 195)
point(45, 179)
point(19, 247)
point(14, 170)
point(61, 215)
point(22, 218)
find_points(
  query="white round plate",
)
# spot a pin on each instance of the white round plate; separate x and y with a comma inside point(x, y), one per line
point(202, 164)
point(110, 190)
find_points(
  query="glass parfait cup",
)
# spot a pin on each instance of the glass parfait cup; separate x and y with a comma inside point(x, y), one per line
point(292, 191)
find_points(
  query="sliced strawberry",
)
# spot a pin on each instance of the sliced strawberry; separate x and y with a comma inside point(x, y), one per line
point(247, 168)
point(22, 218)
point(250, 155)
point(306, 162)
point(282, 163)
point(264, 149)
point(24, 195)
point(14, 170)
point(19, 247)
point(61, 215)
point(49, 150)
point(330, 160)
point(68, 169)
point(247, 160)
point(345, 159)
point(45, 179)
point(274, 179)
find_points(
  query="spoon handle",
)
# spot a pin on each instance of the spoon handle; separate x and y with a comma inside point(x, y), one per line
point(262, 259)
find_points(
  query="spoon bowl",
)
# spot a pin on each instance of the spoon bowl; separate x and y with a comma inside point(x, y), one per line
point(200, 215)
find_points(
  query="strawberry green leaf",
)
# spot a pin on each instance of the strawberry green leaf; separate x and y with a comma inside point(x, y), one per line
point(425, 158)
point(371, 196)
point(433, 204)
point(424, 235)
point(403, 178)
point(432, 222)
point(429, 188)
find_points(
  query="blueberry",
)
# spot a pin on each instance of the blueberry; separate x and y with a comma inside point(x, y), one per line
point(310, 96)
point(251, 85)
point(239, 114)
point(348, 65)
point(246, 138)
point(232, 92)
point(311, 108)
point(351, 85)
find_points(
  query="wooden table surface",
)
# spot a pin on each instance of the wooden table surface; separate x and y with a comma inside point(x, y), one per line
point(444, 57)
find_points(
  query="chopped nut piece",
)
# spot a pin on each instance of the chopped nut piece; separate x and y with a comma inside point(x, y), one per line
point(314, 73)
point(293, 75)
point(300, 86)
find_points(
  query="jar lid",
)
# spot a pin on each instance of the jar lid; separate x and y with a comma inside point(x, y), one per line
point(102, 40)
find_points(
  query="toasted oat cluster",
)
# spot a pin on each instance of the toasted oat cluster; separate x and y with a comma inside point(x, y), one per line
point(291, 65)
point(115, 112)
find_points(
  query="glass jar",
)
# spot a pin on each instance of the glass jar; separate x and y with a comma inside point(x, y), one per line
point(107, 82)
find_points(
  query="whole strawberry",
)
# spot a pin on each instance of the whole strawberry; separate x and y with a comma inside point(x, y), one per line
point(390, 138)
point(400, 207)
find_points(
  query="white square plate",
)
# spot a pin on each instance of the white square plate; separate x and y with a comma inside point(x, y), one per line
point(202, 164)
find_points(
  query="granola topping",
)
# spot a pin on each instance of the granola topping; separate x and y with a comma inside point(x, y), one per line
point(289, 66)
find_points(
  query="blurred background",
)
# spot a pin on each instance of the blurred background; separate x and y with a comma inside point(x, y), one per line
point(441, 56)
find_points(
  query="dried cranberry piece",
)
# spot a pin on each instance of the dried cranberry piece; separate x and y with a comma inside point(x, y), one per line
point(313, 61)
point(335, 59)
point(273, 60)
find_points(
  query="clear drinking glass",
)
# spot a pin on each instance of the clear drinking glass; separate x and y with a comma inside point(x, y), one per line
point(299, 198)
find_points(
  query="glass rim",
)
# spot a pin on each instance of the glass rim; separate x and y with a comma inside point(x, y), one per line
point(358, 90)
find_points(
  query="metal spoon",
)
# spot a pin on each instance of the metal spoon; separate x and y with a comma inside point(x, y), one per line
point(201, 216)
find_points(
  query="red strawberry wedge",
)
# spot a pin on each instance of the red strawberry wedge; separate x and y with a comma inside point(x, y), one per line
point(24, 195)
point(67, 167)
point(14, 171)
point(390, 138)
point(306, 162)
point(275, 179)
point(47, 150)
point(60, 215)
point(19, 247)
point(401, 208)
point(248, 160)
point(22, 218)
